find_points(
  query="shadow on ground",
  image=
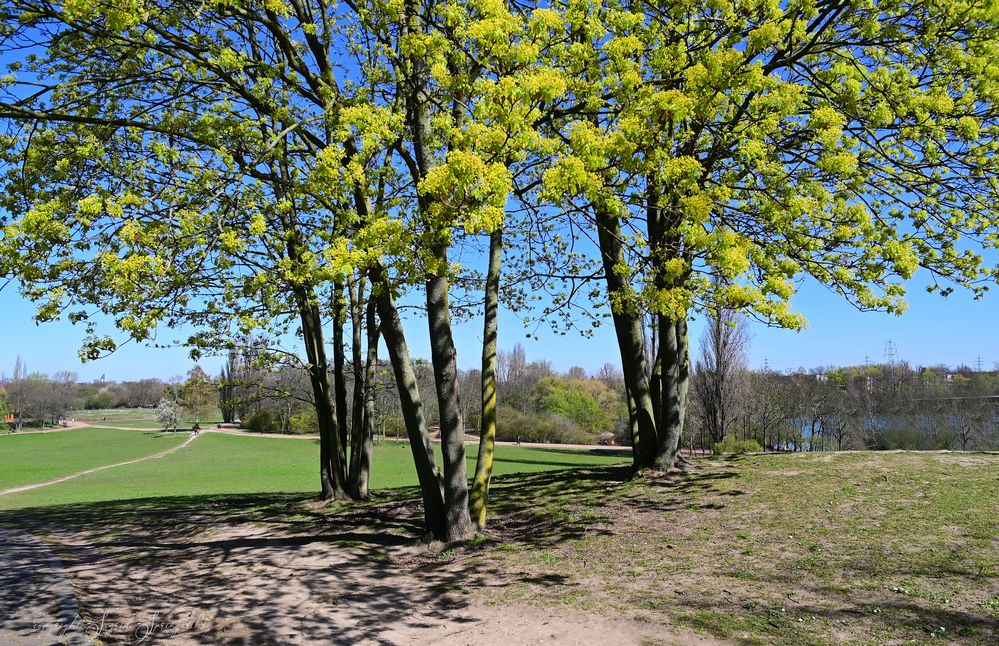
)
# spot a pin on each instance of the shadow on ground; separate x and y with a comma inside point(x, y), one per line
point(281, 568)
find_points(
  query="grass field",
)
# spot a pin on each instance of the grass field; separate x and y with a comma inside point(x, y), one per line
point(228, 464)
point(816, 548)
point(133, 418)
point(36, 457)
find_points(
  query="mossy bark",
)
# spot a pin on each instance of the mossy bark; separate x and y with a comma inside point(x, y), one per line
point(487, 432)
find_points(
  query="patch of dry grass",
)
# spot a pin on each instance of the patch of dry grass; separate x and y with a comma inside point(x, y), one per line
point(775, 549)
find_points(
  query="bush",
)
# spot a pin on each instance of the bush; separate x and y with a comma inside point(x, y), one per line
point(906, 438)
point(304, 423)
point(732, 445)
point(568, 400)
point(513, 425)
point(262, 421)
point(102, 400)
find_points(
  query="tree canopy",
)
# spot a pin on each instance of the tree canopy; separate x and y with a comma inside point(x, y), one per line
point(243, 165)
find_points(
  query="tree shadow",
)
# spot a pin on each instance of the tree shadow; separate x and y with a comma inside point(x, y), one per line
point(552, 463)
point(278, 568)
point(249, 569)
point(606, 452)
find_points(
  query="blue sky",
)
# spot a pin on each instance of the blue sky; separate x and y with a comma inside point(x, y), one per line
point(952, 330)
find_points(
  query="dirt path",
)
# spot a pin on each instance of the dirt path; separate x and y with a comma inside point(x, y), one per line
point(37, 604)
point(247, 584)
point(18, 489)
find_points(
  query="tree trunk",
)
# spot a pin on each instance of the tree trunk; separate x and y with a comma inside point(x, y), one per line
point(356, 292)
point(412, 405)
point(675, 356)
point(419, 104)
point(487, 432)
point(656, 378)
point(632, 425)
point(444, 358)
point(340, 372)
point(331, 469)
point(368, 422)
point(630, 337)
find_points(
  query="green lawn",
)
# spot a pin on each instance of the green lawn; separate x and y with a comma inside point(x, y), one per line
point(36, 457)
point(228, 464)
point(133, 418)
point(138, 423)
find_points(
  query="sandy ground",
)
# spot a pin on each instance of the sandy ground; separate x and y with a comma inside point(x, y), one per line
point(246, 585)
point(37, 603)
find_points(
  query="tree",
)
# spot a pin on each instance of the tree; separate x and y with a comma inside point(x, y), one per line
point(772, 409)
point(569, 398)
point(144, 393)
point(168, 414)
point(231, 194)
point(33, 397)
point(197, 396)
point(719, 373)
point(63, 394)
point(15, 394)
point(4, 408)
point(761, 143)
point(489, 381)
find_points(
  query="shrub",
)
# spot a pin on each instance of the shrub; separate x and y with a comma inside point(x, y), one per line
point(568, 399)
point(910, 439)
point(513, 425)
point(262, 421)
point(731, 445)
point(304, 423)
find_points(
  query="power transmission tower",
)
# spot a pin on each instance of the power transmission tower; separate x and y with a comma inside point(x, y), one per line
point(891, 353)
point(978, 364)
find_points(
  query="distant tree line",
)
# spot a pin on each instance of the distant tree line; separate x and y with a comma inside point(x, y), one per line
point(877, 406)
point(538, 404)
point(36, 398)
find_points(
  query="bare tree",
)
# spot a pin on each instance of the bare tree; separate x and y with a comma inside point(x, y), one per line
point(719, 378)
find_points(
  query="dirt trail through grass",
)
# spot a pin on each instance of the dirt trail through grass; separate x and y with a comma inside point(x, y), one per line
point(36, 485)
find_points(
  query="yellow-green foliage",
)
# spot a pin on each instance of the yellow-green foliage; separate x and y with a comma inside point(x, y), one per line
point(183, 173)
point(732, 445)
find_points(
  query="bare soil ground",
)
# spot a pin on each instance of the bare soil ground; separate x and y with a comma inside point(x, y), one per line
point(214, 577)
point(860, 548)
